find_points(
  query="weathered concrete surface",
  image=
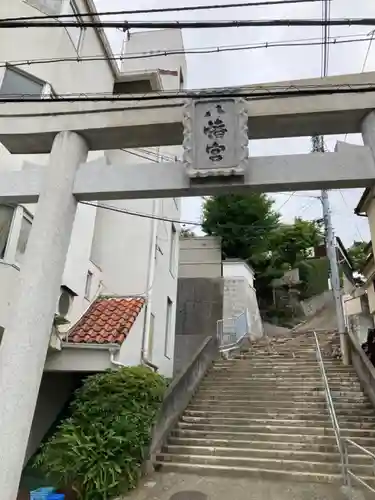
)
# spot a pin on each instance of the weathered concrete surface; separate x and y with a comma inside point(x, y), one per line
point(200, 257)
point(181, 391)
point(158, 122)
point(199, 307)
point(100, 180)
point(162, 486)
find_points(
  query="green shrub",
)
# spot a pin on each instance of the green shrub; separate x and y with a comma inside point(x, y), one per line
point(99, 449)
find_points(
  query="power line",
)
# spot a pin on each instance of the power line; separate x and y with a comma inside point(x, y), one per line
point(287, 201)
point(257, 93)
point(368, 52)
point(347, 205)
point(127, 25)
point(164, 10)
point(165, 219)
point(307, 42)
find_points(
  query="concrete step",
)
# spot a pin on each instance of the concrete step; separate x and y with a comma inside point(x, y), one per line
point(275, 475)
point(239, 422)
point(278, 384)
point(287, 377)
point(265, 463)
point(240, 403)
point(296, 366)
point(254, 452)
point(308, 446)
point(296, 395)
point(316, 439)
point(272, 428)
point(291, 371)
point(286, 415)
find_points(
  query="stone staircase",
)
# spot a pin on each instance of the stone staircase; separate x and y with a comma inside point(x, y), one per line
point(263, 414)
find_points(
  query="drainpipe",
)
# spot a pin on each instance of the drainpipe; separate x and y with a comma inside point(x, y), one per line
point(150, 281)
point(112, 358)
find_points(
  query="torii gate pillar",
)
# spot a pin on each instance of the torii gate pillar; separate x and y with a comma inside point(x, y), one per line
point(26, 339)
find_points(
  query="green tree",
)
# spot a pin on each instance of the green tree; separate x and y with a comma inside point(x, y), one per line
point(358, 253)
point(244, 224)
point(251, 230)
point(291, 242)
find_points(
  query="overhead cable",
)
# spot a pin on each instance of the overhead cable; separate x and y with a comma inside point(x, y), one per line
point(127, 25)
point(164, 10)
point(307, 42)
point(256, 93)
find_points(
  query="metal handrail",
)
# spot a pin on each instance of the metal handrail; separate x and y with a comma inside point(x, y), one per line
point(351, 474)
point(332, 412)
point(225, 348)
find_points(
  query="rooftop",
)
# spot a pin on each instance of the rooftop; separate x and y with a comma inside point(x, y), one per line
point(107, 321)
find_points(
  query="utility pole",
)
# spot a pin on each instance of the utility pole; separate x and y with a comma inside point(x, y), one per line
point(318, 146)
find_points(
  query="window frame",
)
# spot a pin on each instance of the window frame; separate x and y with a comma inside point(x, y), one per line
point(47, 91)
point(72, 5)
point(172, 250)
point(168, 327)
point(88, 284)
point(42, 8)
point(8, 205)
point(26, 215)
point(151, 337)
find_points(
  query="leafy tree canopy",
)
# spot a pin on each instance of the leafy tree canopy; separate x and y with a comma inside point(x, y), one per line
point(358, 254)
point(244, 224)
point(251, 230)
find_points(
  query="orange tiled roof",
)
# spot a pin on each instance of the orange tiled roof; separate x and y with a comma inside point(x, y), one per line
point(107, 321)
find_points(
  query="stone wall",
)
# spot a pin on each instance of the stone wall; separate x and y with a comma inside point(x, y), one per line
point(239, 296)
point(199, 308)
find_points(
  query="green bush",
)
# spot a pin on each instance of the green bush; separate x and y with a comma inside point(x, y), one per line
point(99, 449)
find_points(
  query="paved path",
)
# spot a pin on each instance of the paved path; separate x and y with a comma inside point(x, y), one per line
point(163, 486)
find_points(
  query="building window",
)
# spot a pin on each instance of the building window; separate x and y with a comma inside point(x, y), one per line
point(18, 83)
point(182, 83)
point(6, 217)
point(168, 327)
point(88, 285)
point(150, 344)
point(76, 34)
point(172, 256)
point(49, 7)
point(23, 237)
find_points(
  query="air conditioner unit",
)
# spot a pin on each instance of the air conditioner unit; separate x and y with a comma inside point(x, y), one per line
point(64, 303)
point(61, 323)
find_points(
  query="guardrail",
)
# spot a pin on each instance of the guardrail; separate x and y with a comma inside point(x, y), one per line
point(331, 409)
point(232, 331)
point(344, 443)
point(350, 474)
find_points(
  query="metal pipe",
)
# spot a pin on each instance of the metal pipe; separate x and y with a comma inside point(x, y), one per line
point(331, 409)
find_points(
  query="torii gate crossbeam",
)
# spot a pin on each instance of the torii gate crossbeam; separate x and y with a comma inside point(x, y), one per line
point(217, 164)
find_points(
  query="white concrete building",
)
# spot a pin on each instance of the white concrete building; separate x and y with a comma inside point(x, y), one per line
point(120, 281)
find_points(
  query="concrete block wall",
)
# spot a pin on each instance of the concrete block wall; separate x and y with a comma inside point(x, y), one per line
point(199, 307)
point(239, 296)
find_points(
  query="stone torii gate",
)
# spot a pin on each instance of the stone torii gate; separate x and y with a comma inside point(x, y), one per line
point(215, 135)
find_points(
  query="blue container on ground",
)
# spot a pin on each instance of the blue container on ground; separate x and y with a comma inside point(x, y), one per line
point(56, 496)
point(41, 493)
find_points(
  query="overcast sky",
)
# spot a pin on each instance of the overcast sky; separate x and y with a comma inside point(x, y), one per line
point(272, 64)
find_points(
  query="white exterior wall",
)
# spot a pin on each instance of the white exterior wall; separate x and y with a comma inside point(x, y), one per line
point(137, 262)
point(240, 294)
point(168, 39)
point(118, 249)
point(65, 77)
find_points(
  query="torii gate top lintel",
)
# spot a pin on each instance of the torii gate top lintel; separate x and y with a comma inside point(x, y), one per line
point(30, 127)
